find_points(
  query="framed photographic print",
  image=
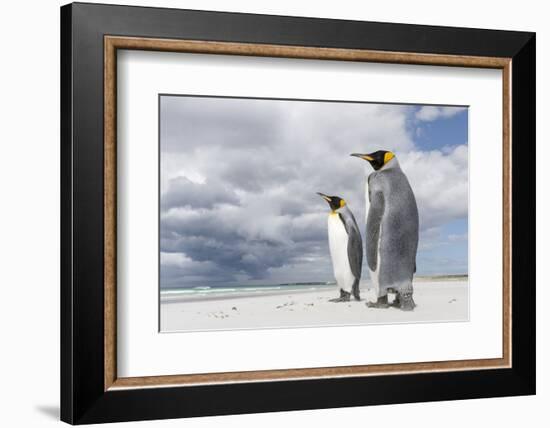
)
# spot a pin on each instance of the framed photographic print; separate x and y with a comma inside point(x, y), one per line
point(246, 248)
point(321, 213)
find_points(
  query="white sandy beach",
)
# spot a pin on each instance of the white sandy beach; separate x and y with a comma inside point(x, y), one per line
point(437, 301)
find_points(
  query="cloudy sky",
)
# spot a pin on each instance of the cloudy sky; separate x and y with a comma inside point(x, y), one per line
point(239, 179)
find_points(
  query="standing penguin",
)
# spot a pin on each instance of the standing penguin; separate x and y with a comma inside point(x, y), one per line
point(346, 248)
point(392, 230)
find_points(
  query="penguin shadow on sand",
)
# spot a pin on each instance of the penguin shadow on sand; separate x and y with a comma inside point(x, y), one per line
point(391, 238)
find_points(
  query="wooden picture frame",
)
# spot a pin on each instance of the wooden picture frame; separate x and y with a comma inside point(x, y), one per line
point(91, 391)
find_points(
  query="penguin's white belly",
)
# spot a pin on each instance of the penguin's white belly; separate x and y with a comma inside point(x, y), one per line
point(338, 243)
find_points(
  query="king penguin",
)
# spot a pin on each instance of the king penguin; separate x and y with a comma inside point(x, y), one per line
point(346, 248)
point(392, 230)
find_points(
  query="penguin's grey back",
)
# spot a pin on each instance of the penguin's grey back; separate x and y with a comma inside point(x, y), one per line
point(392, 227)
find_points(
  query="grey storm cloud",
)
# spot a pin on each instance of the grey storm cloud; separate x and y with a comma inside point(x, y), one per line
point(239, 179)
point(183, 192)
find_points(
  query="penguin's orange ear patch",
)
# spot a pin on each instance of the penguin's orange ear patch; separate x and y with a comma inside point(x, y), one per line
point(388, 157)
point(342, 203)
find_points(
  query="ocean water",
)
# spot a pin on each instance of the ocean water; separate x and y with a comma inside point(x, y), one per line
point(213, 292)
point(234, 291)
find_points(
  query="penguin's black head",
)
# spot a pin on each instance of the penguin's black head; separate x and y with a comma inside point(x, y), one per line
point(377, 159)
point(334, 202)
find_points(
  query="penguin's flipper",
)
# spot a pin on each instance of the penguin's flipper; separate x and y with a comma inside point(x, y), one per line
point(355, 245)
point(374, 219)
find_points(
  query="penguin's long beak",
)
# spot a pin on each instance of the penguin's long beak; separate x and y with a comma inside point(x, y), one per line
point(325, 197)
point(363, 156)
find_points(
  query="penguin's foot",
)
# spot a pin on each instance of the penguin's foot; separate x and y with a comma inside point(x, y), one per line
point(356, 295)
point(406, 302)
point(381, 303)
point(344, 297)
point(396, 302)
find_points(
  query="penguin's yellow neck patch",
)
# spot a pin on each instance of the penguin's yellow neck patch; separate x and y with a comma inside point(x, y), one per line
point(388, 157)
